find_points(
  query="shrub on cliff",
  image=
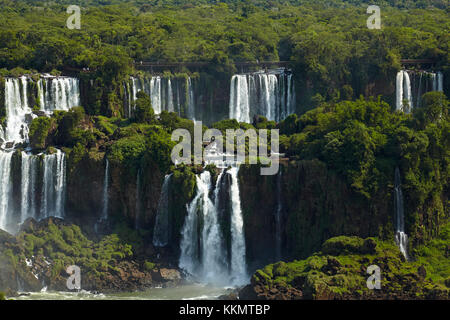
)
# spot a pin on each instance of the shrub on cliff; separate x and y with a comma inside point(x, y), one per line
point(143, 111)
point(39, 131)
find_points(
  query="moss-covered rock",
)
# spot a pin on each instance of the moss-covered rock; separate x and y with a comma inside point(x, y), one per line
point(339, 271)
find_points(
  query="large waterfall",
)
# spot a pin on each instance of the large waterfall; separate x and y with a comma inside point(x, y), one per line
point(16, 103)
point(41, 178)
point(169, 94)
point(42, 185)
point(400, 236)
point(5, 187)
point(238, 262)
point(161, 230)
point(270, 94)
point(411, 85)
point(53, 93)
point(58, 93)
point(204, 253)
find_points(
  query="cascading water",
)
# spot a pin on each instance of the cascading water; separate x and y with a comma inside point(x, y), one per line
point(54, 185)
point(29, 176)
point(403, 92)
point(37, 172)
point(239, 99)
point(5, 188)
point(16, 103)
point(400, 236)
point(189, 245)
point(203, 253)
point(173, 95)
point(411, 85)
point(190, 113)
point(238, 262)
point(58, 93)
point(155, 94)
point(161, 230)
point(270, 94)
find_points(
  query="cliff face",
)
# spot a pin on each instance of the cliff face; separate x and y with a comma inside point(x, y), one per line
point(317, 205)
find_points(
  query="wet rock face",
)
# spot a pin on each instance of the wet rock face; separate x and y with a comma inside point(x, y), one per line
point(317, 205)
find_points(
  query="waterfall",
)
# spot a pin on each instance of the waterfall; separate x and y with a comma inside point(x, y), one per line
point(161, 230)
point(28, 196)
point(58, 93)
point(16, 104)
point(5, 188)
point(267, 93)
point(399, 91)
point(407, 91)
point(214, 264)
point(190, 114)
point(105, 191)
point(239, 99)
point(400, 236)
point(189, 258)
point(54, 185)
point(238, 262)
point(155, 94)
point(278, 213)
point(51, 182)
point(164, 94)
point(170, 105)
point(440, 82)
point(412, 85)
point(203, 253)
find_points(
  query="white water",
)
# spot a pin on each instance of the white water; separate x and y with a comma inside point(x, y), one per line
point(203, 255)
point(5, 187)
point(105, 191)
point(165, 95)
point(270, 94)
point(58, 93)
point(403, 92)
point(239, 99)
point(400, 236)
point(155, 94)
point(29, 176)
point(214, 263)
point(54, 185)
point(191, 100)
point(189, 258)
point(238, 262)
point(161, 228)
point(411, 85)
point(16, 103)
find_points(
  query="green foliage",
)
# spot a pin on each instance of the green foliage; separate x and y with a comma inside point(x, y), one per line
point(143, 112)
point(39, 131)
point(66, 245)
point(339, 270)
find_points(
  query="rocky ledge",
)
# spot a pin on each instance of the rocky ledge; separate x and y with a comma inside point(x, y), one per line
point(38, 257)
point(340, 271)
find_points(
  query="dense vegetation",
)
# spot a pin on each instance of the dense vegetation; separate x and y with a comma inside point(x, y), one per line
point(345, 122)
point(338, 271)
point(333, 53)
